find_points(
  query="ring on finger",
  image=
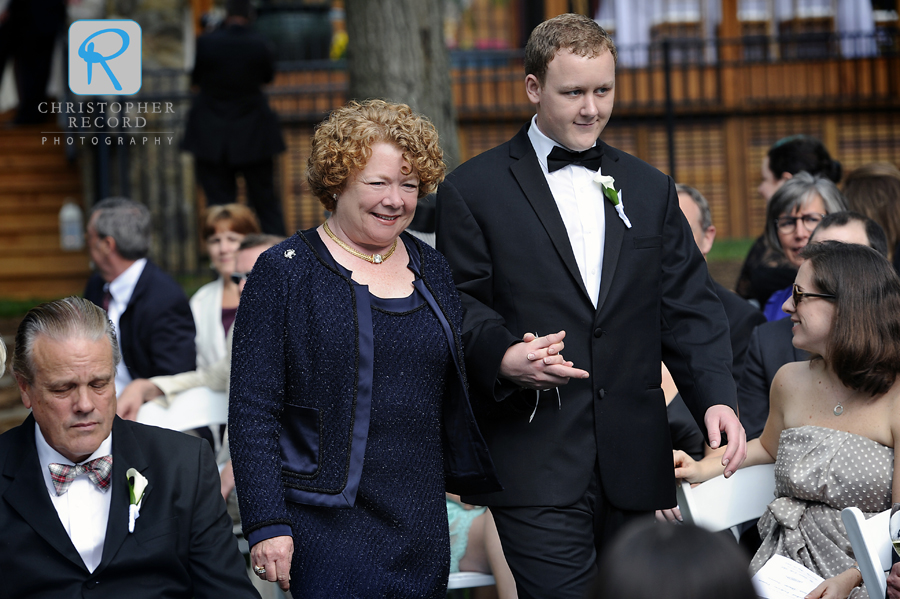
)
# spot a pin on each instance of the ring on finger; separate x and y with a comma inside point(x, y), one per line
point(259, 570)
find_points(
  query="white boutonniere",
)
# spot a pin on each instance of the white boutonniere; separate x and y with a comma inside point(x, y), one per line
point(607, 184)
point(136, 486)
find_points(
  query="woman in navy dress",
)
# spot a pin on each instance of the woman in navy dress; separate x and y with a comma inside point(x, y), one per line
point(348, 395)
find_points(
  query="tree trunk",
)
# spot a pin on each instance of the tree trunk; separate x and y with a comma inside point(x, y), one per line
point(396, 52)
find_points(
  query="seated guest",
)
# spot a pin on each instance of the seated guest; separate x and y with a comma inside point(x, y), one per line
point(69, 525)
point(791, 217)
point(833, 420)
point(874, 190)
point(648, 561)
point(786, 158)
point(215, 376)
point(148, 309)
point(475, 545)
point(215, 304)
point(770, 345)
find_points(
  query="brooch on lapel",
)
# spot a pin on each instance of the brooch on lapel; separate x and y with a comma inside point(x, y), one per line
point(289, 254)
point(615, 197)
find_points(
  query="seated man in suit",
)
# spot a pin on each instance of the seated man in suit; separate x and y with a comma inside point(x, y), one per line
point(771, 344)
point(742, 317)
point(149, 310)
point(69, 470)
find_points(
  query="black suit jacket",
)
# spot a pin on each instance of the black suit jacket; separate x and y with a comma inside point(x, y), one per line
point(157, 327)
point(743, 317)
point(230, 121)
point(771, 347)
point(182, 545)
point(500, 229)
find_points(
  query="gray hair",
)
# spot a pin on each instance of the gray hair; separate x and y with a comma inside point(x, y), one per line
point(796, 192)
point(72, 317)
point(127, 222)
point(702, 203)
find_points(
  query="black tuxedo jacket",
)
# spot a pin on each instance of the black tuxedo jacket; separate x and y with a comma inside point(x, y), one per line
point(157, 327)
point(230, 121)
point(499, 227)
point(771, 347)
point(182, 545)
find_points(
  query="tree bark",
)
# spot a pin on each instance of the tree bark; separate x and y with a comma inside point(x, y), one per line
point(396, 52)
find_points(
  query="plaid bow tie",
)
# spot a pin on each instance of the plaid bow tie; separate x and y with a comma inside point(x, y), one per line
point(98, 470)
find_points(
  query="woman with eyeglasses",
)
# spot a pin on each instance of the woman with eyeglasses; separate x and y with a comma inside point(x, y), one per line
point(793, 214)
point(834, 421)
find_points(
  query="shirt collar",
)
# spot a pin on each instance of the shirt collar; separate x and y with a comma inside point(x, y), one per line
point(123, 286)
point(541, 143)
point(47, 455)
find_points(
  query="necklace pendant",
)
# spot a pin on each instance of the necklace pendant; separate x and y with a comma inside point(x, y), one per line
point(377, 259)
point(838, 409)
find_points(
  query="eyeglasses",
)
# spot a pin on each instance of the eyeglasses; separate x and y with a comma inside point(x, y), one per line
point(237, 277)
point(798, 295)
point(788, 224)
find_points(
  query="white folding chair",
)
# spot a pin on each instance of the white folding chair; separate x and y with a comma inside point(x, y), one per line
point(470, 580)
point(871, 542)
point(721, 503)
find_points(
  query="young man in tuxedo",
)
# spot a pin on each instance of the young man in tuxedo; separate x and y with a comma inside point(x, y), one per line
point(66, 479)
point(561, 243)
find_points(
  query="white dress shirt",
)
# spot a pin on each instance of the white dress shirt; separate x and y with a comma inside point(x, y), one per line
point(580, 202)
point(84, 509)
point(121, 289)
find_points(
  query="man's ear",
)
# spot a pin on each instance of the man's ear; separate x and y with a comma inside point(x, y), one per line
point(24, 390)
point(533, 89)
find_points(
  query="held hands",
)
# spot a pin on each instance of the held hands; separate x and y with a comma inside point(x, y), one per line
point(538, 364)
point(271, 560)
point(718, 419)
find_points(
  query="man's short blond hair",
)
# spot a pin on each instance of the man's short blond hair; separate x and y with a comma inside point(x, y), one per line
point(576, 33)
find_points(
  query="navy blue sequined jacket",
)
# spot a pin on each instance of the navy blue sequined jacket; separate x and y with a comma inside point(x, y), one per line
point(301, 391)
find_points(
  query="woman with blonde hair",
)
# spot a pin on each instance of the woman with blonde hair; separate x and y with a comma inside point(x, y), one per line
point(348, 404)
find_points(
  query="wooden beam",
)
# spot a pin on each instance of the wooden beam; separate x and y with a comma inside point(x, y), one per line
point(730, 30)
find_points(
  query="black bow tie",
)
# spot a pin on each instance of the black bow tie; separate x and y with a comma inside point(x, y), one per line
point(560, 157)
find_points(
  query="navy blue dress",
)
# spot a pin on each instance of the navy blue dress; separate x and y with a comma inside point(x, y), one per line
point(394, 542)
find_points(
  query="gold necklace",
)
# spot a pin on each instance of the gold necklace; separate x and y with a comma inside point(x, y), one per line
point(374, 258)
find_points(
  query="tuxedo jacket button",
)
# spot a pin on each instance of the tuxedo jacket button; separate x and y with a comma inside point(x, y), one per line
point(598, 332)
point(601, 393)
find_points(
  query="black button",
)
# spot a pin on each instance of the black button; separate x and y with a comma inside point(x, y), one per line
point(598, 332)
point(601, 393)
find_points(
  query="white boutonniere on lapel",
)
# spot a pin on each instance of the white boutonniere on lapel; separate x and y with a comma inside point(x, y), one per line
point(607, 184)
point(136, 486)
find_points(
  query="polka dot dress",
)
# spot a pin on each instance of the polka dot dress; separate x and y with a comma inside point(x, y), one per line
point(819, 472)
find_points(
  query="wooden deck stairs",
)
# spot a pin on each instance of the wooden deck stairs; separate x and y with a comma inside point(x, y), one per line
point(35, 181)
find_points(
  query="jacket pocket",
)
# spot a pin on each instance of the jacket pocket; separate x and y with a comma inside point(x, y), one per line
point(163, 528)
point(647, 242)
point(299, 442)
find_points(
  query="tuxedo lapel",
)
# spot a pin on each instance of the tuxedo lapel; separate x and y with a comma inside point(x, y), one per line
point(28, 495)
point(126, 454)
point(615, 228)
point(533, 183)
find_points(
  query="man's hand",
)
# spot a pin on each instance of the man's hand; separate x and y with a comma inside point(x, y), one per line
point(136, 394)
point(719, 419)
point(670, 515)
point(893, 582)
point(274, 556)
point(538, 364)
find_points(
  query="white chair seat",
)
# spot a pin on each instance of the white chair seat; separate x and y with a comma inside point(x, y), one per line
point(470, 580)
point(722, 503)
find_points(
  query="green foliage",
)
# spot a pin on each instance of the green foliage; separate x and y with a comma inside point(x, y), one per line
point(729, 249)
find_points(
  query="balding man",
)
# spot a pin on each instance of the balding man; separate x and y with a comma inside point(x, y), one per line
point(69, 473)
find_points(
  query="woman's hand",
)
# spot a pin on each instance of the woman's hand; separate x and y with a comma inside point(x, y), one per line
point(271, 560)
point(670, 515)
point(837, 587)
point(686, 467)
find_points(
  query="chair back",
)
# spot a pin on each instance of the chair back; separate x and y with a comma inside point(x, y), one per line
point(722, 503)
point(871, 542)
